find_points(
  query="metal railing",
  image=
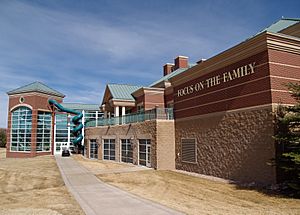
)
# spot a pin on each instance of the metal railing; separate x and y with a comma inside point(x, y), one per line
point(157, 113)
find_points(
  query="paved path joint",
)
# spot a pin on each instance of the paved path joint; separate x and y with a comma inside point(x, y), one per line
point(96, 197)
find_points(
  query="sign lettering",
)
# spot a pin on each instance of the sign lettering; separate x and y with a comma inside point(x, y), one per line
point(217, 80)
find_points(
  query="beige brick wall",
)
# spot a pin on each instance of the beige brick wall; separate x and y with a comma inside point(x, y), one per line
point(160, 132)
point(165, 151)
point(235, 145)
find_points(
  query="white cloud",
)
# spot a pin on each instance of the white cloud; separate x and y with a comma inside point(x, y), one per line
point(78, 53)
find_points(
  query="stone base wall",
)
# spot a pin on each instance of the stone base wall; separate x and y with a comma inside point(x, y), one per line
point(235, 145)
point(160, 132)
point(10, 154)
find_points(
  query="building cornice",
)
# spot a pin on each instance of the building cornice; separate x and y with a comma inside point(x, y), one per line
point(143, 90)
point(123, 103)
point(35, 94)
point(248, 48)
point(241, 51)
point(282, 42)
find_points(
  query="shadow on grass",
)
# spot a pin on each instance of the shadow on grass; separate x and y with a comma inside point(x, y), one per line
point(278, 190)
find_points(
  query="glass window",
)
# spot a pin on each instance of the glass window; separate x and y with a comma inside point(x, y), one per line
point(145, 152)
point(93, 149)
point(43, 141)
point(21, 128)
point(61, 122)
point(109, 149)
point(126, 153)
point(92, 116)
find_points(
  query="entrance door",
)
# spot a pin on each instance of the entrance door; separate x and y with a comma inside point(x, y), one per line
point(59, 146)
point(145, 152)
point(93, 149)
point(126, 153)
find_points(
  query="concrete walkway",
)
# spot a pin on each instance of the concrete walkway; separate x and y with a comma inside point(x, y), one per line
point(119, 170)
point(96, 197)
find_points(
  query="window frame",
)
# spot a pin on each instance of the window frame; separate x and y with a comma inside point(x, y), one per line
point(43, 114)
point(94, 142)
point(126, 150)
point(109, 149)
point(61, 128)
point(23, 127)
point(147, 155)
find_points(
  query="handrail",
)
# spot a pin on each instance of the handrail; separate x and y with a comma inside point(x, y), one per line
point(157, 113)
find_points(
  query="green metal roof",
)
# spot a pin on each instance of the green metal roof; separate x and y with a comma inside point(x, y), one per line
point(281, 25)
point(277, 27)
point(80, 106)
point(172, 74)
point(122, 91)
point(36, 87)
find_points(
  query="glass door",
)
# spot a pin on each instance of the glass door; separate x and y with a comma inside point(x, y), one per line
point(126, 153)
point(93, 149)
point(145, 152)
point(59, 146)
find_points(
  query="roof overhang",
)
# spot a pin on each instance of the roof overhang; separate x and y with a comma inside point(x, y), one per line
point(248, 48)
point(107, 96)
point(123, 103)
point(145, 90)
point(35, 93)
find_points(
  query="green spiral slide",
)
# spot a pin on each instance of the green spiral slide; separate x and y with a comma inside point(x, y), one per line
point(77, 130)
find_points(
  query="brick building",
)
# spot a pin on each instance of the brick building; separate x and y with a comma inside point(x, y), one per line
point(213, 117)
point(222, 123)
point(34, 127)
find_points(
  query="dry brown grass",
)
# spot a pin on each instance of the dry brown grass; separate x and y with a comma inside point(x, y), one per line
point(94, 165)
point(34, 186)
point(194, 195)
point(2, 153)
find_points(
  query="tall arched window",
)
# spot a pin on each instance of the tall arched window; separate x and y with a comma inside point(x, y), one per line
point(21, 124)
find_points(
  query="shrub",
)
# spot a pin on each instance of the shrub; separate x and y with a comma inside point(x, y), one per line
point(2, 137)
point(287, 137)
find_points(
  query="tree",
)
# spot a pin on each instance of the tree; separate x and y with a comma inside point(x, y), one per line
point(2, 138)
point(287, 124)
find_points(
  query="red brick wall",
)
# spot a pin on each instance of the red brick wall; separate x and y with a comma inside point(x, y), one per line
point(169, 98)
point(284, 68)
point(181, 62)
point(36, 101)
point(250, 90)
point(140, 99)
point(150, 100)
point(153, 99)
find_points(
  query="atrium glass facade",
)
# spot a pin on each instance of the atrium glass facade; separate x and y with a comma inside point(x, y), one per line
point(21, 129)
point(43, 141)
point(64, 126)
point(61, 131)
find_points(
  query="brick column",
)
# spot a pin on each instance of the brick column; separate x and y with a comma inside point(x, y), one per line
point(34, 132)
point(52, 133)
point(8, 132)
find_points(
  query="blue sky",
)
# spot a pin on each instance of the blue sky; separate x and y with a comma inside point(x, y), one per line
point(76, 47)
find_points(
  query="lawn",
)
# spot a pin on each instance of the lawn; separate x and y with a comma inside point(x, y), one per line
point(190, 194)
point(94, 165)
point(33, 186)
point(193, 195)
